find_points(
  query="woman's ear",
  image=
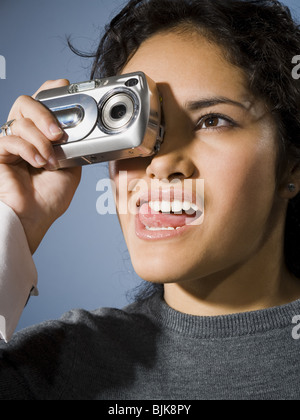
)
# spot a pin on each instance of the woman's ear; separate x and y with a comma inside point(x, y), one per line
point(290, 186)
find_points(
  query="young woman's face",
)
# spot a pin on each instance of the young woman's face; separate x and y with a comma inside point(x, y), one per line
point(215, 131)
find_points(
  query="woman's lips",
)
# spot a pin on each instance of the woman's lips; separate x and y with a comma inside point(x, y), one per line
point(152, 225)
point(168, 212)
point(159, 233)
point(154, 219)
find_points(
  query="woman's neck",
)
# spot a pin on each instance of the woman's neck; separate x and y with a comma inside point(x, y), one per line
point(261, 282)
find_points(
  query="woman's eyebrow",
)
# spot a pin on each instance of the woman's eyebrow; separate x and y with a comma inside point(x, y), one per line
point(208, 102)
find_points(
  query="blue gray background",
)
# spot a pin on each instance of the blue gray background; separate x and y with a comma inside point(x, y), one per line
point(83, 261)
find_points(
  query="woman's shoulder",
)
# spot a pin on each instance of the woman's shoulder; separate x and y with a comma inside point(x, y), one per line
point(105, 320)
point(79, 344)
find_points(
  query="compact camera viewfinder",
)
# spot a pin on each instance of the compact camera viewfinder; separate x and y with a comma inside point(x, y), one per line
point(106, 119)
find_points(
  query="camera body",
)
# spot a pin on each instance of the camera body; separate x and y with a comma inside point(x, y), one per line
point(106, 119)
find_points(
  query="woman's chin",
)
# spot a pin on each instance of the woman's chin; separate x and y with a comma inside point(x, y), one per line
point(163, 271)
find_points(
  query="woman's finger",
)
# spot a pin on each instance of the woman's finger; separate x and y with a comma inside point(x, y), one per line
point(45, 121)
point(12, 148)
point(26, 129)
point(52, 84)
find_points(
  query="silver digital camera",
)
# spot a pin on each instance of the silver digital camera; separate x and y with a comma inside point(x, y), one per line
point(106, 119)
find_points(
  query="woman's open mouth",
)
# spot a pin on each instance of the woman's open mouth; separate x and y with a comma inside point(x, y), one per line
point(167, 214)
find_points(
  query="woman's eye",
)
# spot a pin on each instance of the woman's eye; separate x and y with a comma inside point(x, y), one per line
point(213, 121)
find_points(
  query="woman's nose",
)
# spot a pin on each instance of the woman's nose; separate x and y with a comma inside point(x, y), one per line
point(172, 161)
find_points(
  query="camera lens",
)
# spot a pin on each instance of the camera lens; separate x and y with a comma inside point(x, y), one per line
point(118, 111)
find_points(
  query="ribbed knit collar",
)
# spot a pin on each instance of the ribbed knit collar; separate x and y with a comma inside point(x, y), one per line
point(241, 324)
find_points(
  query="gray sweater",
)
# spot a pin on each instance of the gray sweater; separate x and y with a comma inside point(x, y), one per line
point(148, 351)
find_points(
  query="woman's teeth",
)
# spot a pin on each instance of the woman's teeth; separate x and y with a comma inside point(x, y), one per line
point(156, 229)
point(175, 206)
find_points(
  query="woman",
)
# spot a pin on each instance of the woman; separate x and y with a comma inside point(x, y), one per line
point(222, 327)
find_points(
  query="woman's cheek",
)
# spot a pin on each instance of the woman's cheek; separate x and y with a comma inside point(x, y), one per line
point(240, 181)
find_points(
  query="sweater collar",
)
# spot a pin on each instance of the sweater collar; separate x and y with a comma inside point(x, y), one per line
point(235, 325)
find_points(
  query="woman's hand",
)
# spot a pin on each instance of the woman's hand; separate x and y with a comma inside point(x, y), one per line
point(37, 195)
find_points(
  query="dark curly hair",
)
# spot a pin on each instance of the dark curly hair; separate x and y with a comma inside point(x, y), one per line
point(259, 36)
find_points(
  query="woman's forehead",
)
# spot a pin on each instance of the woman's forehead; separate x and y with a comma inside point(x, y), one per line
point(190, 65)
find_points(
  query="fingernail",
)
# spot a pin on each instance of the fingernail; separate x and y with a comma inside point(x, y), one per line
point(55, 130)
point(52, 161)
point(40, 161)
